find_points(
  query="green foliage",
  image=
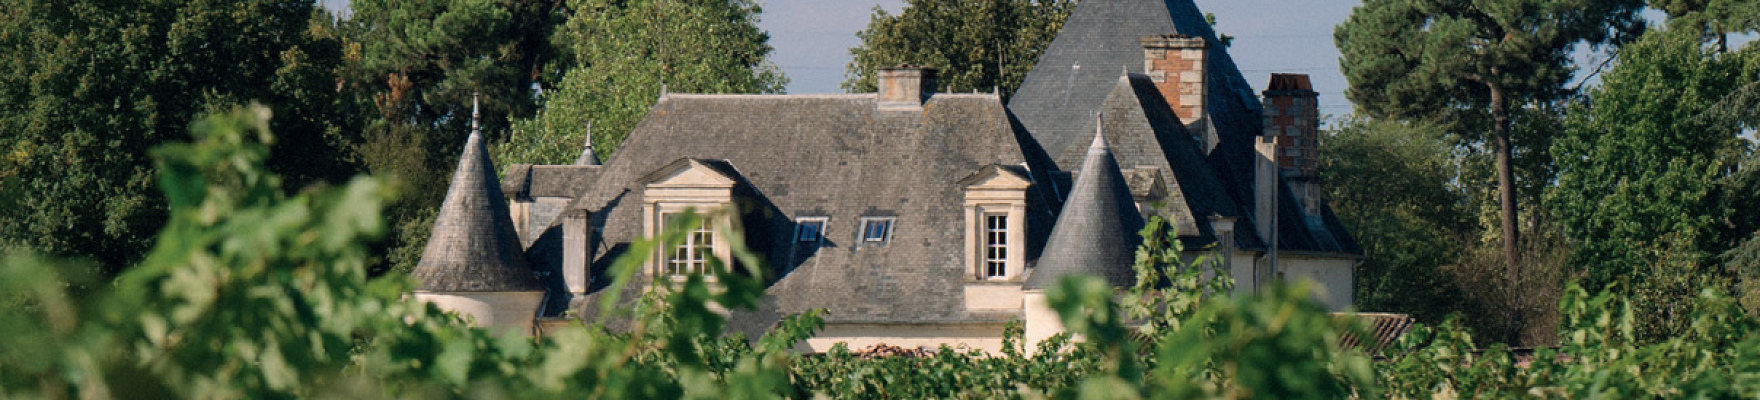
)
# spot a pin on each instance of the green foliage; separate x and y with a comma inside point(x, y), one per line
point(623, 52)
point(89, 86)
point(1278, 344)
point(1168, 289)
point(1443, 59)
point(1642, 173)
point(947, 372)
point(413, 68)
point(1391, 185)
point(1475, 67)
point(1602, 354)
point(421, 62)
point(249, 293)
point(976, 45)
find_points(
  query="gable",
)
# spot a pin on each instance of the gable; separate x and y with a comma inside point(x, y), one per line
point(689, 173)
point(996, 177)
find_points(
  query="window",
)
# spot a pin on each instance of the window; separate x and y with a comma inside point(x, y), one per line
point(876, 230)
point(995, 245)
point(809, 229)
point(690, 256)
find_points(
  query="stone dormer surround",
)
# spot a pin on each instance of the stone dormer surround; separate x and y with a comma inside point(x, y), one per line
point(702, 186)
point(995, 190)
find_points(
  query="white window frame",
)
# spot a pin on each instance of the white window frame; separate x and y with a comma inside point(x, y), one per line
point(692, 255)
point(996, 245)
point(862, 237)
point(800, 226)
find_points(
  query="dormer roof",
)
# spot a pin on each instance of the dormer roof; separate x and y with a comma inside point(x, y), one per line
point(1097, 232)
point(473, 247)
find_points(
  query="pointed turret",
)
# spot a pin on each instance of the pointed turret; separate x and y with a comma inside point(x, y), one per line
point(587, 156)
point(473, 247)
point(1097, 232)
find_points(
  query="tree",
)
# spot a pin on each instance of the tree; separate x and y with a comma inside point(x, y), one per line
point(977, 45)
point(1644, 171)
point(1391, 184)
point(1470, 64)
point(418, 66)
point(89, 86)
point(623, 53)
point(1716, 19)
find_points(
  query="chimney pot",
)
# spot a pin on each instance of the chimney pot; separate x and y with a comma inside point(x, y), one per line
point(1292, 120)
point(905, 87)
point(1177, 65)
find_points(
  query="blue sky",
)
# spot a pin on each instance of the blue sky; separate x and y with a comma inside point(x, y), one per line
point(812, 40)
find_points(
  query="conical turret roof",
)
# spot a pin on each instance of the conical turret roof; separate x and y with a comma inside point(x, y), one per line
point(1097, 232)
point(473, 247)
point(587, 157)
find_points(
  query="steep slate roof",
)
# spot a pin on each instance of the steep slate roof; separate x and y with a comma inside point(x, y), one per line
point(1102, 38)
point(526, 181)
point(1079, 75)
point(836, 156)
point(473, 247)
point(587, 157)
point(1139, 125)
point(1097, 232)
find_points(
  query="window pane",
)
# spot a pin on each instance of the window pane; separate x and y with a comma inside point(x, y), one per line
point(690, 254)
point(995, 262)
point(810, 230)
point(876, 230)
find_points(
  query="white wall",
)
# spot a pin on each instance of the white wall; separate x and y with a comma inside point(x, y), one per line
point(497, 311)
point(1331, 278)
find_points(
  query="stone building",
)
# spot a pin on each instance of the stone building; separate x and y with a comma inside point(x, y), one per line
point(918, 218)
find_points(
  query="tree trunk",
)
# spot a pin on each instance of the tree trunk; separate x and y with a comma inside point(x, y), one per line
point(1506, 181)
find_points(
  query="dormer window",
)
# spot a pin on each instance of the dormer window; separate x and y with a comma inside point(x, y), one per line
point(688, 185)
point(876, 230)
point(996, 214)
point(690, 256)
point(809, 229)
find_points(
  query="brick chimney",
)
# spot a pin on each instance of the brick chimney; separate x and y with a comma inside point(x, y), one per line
point(905, 87)
point(1177, 65)
point(1292, 119)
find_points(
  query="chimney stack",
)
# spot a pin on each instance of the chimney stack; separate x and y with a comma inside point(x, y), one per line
point(905, 87)
point(1292, 119)
point(1177, 65)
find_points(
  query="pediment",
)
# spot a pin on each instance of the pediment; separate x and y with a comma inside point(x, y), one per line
point(692, 173)
point(997, 177)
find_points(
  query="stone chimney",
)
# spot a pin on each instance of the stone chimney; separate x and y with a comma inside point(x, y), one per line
point(1265, 215)
point(1177, 65)
point(905, 87)
point(1265, 188)
point(1292, 119)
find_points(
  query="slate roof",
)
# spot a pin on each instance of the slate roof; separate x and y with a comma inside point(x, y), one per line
point(1097, 232)
point(1079, 74)
point(835, 156)
point(1100, 39)
point(587, 157)
point(1140, 126)
point(473, 247)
